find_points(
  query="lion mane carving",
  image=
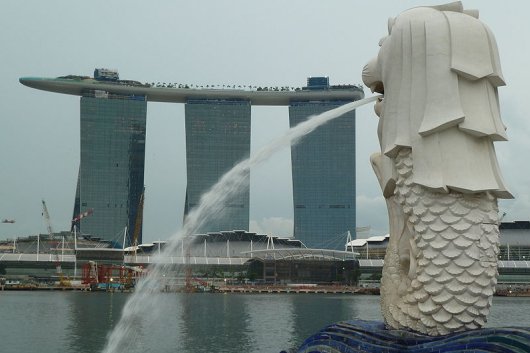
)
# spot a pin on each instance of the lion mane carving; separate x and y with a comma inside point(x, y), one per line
point(439, 70)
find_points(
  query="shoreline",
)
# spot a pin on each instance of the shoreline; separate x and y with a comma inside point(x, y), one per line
point(248, 289)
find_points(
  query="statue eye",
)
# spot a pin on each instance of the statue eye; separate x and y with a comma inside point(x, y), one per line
point(382, 40)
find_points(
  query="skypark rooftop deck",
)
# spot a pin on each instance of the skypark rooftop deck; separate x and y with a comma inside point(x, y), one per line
point(77, 86)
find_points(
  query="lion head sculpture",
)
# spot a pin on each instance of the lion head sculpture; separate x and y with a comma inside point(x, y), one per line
point(439, 70)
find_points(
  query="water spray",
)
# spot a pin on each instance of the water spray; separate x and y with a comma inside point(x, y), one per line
point(211, 204)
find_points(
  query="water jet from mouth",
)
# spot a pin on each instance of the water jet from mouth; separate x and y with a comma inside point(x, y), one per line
point(141, 304)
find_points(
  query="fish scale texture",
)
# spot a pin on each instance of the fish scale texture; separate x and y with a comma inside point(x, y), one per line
point(448, 282)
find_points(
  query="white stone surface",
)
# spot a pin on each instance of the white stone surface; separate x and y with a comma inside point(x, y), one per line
point(439, 70)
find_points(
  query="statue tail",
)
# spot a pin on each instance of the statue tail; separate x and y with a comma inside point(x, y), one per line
point(443, 262)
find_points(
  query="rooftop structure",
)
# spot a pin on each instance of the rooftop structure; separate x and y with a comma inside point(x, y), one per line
point(234, 244)
point(172, 93)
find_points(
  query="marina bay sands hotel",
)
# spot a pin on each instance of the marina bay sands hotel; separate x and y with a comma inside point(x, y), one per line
point(113, 136)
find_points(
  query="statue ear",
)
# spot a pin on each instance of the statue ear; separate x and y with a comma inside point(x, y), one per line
point(496, 78)
point(472, 13)
point(473, 50)
point(452, 6)
point(440, 81)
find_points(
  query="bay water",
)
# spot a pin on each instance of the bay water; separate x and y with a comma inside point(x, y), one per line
point(61, 322)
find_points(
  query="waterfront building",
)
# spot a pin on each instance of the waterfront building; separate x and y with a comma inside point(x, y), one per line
point(323, 173)
point(217, 138)
point(113, 116)
point(514, 243)
point(111, 173)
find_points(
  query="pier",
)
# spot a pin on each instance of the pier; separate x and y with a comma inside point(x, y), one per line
point(297, 289)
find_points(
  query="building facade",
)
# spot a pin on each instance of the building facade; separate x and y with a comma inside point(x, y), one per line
point(323, 174)
point(113, 125)
point(111, 173)
point(217, 138)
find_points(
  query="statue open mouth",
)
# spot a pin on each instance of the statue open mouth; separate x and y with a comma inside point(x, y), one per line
point(377, 87)
point(378, 107)
point(372, 79)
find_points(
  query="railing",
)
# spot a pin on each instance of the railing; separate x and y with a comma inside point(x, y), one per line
point(181, 260)
point(514, 253)
point(518, 258)
point(16, 257)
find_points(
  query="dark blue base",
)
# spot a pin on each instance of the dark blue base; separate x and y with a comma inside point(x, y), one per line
point(373, 337)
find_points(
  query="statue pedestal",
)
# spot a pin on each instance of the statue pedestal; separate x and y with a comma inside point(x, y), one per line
point(374, 337)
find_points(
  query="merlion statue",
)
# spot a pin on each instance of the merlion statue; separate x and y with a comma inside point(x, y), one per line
point(439, 70)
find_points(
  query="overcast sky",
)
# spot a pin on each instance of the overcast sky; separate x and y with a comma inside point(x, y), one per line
point(261, 43)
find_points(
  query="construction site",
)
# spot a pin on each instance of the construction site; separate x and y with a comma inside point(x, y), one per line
point(71, 261)
point(231, 261)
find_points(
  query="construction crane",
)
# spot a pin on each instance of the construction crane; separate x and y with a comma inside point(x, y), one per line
point(138, 222)
point(47, 219)
point(62, 280)
point(82, 215)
